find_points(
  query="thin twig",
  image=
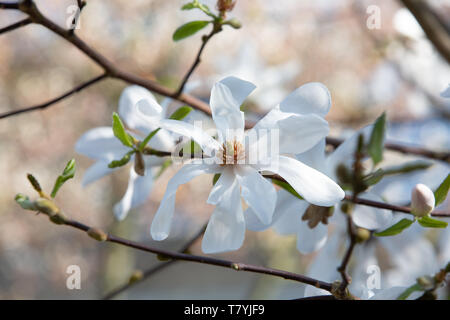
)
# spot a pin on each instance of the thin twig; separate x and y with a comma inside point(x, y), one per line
point(16, 25)
point(55, 100)
point(205, 39)
point(155, 269)
point(9, 5)
point(238, 266)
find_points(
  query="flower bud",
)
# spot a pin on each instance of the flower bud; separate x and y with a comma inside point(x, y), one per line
point(422, 200)
point(362, 235)
point(97, 234)
point(136, 276)
point(139, 164)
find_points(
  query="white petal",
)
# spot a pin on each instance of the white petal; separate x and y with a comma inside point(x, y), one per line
point(310, 240)
point(163, 218)
point(139, 188)
point(296, 133)
point(312, 185)
point(225, 181)
point(225, 107)
point(257, 192)
point(226, 227)
point(240, 89)
point(446, 93)
point(315, 157)
point(100, 143)
point(345, 151)
point(128, 110)
point(288, 213)
point(205, 141)
point(371, 218)
point(96, 171)
point(312, 97)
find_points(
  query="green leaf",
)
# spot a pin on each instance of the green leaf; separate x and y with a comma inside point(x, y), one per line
point(119, 163)
point(147, 139)
point(189, 6)
point(405, 294)
point(441, 192)
point(68, 173)
point(180, 113)
point(376, 142)
point(119, 131)
point(396, 228)
point(375, 177)
point(286, 186)
point(188, 29)
point(429, 222)
point(216, 178)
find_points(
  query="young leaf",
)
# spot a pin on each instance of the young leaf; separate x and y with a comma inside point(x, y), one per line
point(147, 139)
point(119, 131)
point(188, 6)
point(441, 192)
point(216, 178)
point(68, 173)
point(375, 177)
point(405, 294)
point(286, 186)
point(119, 163)
point(376, 142)
point(396, 228)
point(428, 222)
point(180, 113)
point(188, 29)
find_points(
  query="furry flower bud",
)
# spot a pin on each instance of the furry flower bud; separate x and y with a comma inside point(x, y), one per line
point(422, 200)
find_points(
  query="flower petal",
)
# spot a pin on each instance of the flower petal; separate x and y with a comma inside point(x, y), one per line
point(312, 185)
point(139, 188)
point(369, 217)
point(96, 171)
point(345, 151)
point(100, 143)
point(288, 213)
point(313, 97)
point(226, 227)
point(206, 142)
point(446, 93)
point(296, 133)
point(226, 98)
point(163, 218)
point(222, 185)
point(315, 157)
point(128, 108)
point(310, 240)
point(258, 192)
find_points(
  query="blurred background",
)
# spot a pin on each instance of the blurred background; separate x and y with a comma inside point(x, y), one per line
point(281, 45)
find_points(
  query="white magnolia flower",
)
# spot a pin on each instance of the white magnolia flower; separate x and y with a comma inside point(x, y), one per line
point(101, 145)
point(240, 177)
point(309, 222)
point(446, 93)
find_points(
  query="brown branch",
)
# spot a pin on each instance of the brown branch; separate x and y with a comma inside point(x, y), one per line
point(238, 266)
point(55, 100)
point(111, 70)
point(155, 269)
point(9, 5)
point(435, 29)
point(216, 29)
point(16, 25)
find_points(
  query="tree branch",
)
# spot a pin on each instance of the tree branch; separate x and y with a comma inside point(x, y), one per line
point(16, 25)
point(216, 29)
point(55, 100)
point(155, 269)
point(437, 31)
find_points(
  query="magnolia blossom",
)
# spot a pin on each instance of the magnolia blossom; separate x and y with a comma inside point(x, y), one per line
point(310, 222)
point(446, 93)
point(101, 145)
point(240, 169)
